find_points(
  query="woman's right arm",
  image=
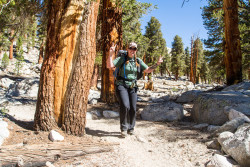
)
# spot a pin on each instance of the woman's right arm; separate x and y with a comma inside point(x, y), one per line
point(110, 63)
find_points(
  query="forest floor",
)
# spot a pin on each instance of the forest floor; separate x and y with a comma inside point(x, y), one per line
point(154, 144)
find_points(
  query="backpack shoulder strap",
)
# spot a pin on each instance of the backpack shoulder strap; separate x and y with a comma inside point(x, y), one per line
point(123, 64)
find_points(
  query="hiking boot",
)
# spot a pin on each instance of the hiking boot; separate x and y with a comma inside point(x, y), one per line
point(123, 134)
point(131, 132)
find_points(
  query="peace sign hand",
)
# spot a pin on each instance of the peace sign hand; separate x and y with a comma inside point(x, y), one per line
point(160, 60)
point(112, 49)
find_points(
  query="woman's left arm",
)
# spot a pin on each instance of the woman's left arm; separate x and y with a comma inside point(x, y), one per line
point(153, 67)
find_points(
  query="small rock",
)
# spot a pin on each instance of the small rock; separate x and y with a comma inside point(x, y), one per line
point(4, 133)
point(214, 144)
point(212, 128)
point(200, 126)
point(96, 113)
point(140, 139)
point(55, 136)
point(89, 116)
point(19, 161)
point(25, 141)
point(110, 114)
point(224, 136)
point(93, 101)
point(49, 164)
point(220, 161)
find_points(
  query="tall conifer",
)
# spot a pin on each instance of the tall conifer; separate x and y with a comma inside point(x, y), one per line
point(177, 53)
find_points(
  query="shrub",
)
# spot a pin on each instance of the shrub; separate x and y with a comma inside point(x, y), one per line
point(5, 61)
point(19, 63)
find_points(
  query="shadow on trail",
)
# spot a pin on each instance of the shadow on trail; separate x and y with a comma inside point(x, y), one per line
point(28, 125)
point(176, 131)
point(101, 133)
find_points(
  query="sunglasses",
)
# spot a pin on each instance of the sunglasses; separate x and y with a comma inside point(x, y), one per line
point(134, 49)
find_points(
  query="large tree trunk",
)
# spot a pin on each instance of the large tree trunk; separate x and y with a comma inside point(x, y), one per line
point(111, 32)
point(233, 57)
point(78, 90)
point(61, 52)
point(45, 116)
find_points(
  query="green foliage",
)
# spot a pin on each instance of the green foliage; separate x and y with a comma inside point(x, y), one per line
point(177, 60)
point(98, 59)
point(31, 32)
point(5, 61)
point(187, 67)
point(175, 89)
point(132, 13)
point(42, 26)
point(19, 45)
point(17, 19)
point(4, 42)
point(166, 64)
point(19, 63)
point(244, 27)
point(157, 44)
point(204, 71)
point(213, 21)
point(3, 111)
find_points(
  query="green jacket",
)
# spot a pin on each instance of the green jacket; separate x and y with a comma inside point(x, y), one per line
point(130, 69)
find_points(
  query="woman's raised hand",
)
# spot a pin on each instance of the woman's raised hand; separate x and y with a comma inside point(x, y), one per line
point(112, 49)
point(160, 60)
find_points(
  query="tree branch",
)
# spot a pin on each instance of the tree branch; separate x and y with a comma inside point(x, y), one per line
point(184, 2)
point(5, 5)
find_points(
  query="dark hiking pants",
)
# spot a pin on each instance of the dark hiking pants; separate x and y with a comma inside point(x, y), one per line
point(127, 99)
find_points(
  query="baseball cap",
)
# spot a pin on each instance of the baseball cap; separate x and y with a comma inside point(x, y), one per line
point(133, 45)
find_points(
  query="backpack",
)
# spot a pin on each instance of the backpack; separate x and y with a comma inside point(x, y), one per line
point(123, 53)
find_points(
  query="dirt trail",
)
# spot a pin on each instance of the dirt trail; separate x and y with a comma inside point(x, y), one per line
point(154, 144)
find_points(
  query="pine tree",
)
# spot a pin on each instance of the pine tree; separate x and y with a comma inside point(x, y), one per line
point(177, 53)
point(5, 61)
point(213, 22)
point(16, 18)
point(167, 63)
point(132, 12)
point(42, 30)
point(157, 45)
point(244, 26)
point(204, 71)
point(197, 59)
point(213, 16)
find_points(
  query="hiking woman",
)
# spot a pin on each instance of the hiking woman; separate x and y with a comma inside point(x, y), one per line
point(126, 84)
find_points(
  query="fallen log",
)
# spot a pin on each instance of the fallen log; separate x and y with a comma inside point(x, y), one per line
point(13, 77)
point(39, 154)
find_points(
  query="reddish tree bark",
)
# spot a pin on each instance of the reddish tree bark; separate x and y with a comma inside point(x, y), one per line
point(191, 62)
point(76, 100)
point(111, 32)
point(11, 44)
point(233, 57)
point(62, 64)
